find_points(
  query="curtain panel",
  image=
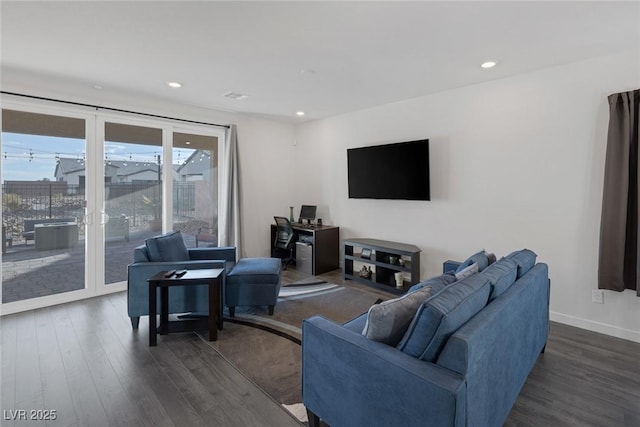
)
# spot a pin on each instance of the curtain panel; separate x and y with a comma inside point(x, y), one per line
point(618, 259)
point(229, 212)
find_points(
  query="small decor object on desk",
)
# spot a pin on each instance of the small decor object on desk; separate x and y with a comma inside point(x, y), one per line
point(366, 253)
point(291, 214)
point(365, 272)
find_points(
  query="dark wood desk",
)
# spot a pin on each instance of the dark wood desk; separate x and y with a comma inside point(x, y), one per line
point(325, 242)
point(192, 277)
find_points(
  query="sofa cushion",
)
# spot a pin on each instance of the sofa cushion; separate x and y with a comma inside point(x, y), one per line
point(357, 323)
point(387, 322)
point(480, 257)
point(525, 259)
point(168, 247)
point(440, 316)
point(501, 275)
point(437, 283)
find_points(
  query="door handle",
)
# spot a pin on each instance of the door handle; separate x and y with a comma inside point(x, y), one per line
point(105, 218)
point(88, 219)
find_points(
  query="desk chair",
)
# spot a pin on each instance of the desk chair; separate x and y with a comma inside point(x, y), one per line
point(285, 240)
point(207, 235)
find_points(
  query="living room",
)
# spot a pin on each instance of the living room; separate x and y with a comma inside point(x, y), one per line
point(516, 159)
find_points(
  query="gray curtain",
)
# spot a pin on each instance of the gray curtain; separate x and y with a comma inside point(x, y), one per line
point(229, 212)
point(618, 261)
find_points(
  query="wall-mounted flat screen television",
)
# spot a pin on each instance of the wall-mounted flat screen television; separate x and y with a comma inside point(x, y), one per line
point(389, 171)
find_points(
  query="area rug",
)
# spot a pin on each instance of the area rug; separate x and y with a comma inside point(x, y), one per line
point(267, 348)
point(307, 286)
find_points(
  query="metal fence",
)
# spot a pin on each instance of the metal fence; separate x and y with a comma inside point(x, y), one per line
point(140, 201)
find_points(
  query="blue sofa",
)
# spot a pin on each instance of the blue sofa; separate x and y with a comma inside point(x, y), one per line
point(461, 362)
point(250, 281)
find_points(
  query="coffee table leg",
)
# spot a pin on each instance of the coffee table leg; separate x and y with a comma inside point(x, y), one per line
point(220, 305)
point(213, 309)
point(153, 331)
point(164, 310)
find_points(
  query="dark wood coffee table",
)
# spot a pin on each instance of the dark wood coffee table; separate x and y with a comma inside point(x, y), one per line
point(191, 278)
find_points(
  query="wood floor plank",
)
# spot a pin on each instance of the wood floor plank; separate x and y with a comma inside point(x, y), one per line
point(84, 394)
point(154, 392)
point(55, 388)
point(173, 364)
point(239, 390)
point(583, 378)
point(176, 405)
point(28, 389)
point(85, 319)
point(8, 364)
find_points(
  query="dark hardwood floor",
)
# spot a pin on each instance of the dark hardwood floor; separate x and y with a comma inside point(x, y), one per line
point(83, 360)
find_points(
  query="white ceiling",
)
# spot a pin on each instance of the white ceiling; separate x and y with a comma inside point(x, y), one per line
point(361, 54)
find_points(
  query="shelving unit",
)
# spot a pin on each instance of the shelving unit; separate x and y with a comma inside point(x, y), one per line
point(406, 257)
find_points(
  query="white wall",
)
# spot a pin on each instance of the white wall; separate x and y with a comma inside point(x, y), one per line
point(515, 163)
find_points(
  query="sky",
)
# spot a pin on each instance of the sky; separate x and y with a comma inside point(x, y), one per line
point(33, 157)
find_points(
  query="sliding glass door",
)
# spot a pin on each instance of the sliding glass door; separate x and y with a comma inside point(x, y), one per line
point(43, 205)
point(195, 188)
point(133, 178)
point(81, 191)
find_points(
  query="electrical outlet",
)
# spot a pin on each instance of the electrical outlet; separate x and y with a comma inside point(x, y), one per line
point(597, 296)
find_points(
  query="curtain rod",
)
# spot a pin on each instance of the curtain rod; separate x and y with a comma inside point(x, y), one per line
point(99, 107)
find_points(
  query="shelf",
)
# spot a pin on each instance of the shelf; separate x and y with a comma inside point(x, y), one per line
point(396, 267)
point(382, 252)
point(387, 288)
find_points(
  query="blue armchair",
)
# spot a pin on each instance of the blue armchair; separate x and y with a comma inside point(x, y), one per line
point(168, 253)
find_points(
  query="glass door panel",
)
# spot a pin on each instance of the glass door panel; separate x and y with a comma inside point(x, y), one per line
point(43, 209)
point(195, 188)
point(132, 193)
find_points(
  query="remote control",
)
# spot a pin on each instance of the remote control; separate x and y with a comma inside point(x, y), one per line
point(181, 273)
point(169, 273)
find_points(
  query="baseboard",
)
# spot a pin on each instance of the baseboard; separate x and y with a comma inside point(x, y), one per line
point(590, 325)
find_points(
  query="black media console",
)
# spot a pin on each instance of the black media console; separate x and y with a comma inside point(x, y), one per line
point(384, 259)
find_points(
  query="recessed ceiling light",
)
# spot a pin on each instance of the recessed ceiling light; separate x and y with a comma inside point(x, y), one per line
point(188, 142)
point(299, 113)
point(174, 84)
point(488, 64)
point(97, 87)
point(308, 71)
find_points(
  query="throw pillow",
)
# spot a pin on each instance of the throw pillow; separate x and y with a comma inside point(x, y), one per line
point(480, 257)
point(501, 275)
point(168, 247)
point(388, 321)
point(440, 316)
point(525, 259)
point(468, 271)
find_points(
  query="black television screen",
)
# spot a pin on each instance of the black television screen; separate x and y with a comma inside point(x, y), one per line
point(389, 171)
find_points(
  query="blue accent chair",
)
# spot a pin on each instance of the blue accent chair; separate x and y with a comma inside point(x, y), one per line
point(168, 252)
point(251, 281)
